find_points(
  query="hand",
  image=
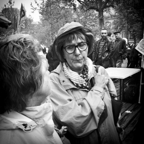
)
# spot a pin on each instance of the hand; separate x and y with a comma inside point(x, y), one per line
point(63, 130)
point(101, 80)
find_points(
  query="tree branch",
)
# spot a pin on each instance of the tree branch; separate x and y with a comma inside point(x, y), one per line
point(107, 4)
point(89, 5)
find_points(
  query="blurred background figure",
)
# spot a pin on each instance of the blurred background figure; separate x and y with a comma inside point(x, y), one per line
point(101, 52)
point(120, 51)
point(109, 36)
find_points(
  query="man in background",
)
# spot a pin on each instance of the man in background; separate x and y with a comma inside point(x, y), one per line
point(102, 50)
point(120, 50)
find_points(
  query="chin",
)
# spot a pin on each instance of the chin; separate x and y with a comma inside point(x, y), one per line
point(79, 68)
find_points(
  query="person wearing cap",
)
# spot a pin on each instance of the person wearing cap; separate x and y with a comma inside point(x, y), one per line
point(120, 50)
point(102, 50)
point(80, 96)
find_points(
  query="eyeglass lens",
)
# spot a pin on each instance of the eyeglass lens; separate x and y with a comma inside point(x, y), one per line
point(71, 48)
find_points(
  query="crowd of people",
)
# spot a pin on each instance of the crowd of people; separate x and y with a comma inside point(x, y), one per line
point(64, 101)
point(110, 50)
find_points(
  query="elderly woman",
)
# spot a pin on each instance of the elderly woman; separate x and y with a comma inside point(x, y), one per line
point(81, 96)
point(25, 108)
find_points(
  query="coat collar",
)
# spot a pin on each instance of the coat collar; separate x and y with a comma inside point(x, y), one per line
point(66, 83)
point(15, 120)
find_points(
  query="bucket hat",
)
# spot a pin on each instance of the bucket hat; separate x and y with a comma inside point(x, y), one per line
point(69, 28)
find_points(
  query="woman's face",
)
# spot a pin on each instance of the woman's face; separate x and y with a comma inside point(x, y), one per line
point(44, 89)
point(77, 59)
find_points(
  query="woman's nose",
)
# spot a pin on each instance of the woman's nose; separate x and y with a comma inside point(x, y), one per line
point(77, 51)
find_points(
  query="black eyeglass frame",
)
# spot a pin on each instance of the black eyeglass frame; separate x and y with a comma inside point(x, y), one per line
point(78, 45)
point(103, 33)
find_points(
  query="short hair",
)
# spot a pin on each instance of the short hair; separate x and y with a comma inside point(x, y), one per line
point(104, 29)
point(19, 71)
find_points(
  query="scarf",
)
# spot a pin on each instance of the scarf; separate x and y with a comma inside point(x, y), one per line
point(80, 80)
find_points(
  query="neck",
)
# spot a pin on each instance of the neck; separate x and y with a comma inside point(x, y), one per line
point(35, 101)
point(78, 70)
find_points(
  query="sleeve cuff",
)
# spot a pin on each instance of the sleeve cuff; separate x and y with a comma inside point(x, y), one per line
point(97, 88)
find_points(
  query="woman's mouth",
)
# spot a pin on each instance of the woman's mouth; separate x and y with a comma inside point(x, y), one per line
point(78, 60)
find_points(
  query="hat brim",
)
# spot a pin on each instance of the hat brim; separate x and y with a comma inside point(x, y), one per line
point(116, 32)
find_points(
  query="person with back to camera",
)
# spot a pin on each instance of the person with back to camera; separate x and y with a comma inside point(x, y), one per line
point(25, 107)
point(81, 96)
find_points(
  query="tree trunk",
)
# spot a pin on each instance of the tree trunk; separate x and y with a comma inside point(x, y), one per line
point(143, 29)
point(101, 19)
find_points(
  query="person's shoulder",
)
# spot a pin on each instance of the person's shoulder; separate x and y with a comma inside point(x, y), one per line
point(96, 42)
point(109, 42)
point(56, 72)
point(122, 41)
point(8, 136)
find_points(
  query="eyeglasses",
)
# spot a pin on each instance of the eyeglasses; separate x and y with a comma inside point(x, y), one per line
point(103, 33)
point(71, 48)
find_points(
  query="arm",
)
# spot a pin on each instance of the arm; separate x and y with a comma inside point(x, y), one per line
point(110, 48)
point(77, 117)
point(110, 85)
point(123, 49)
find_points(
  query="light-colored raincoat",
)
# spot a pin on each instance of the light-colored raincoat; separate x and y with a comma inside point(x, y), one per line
point(81, 110)
point(17, 128)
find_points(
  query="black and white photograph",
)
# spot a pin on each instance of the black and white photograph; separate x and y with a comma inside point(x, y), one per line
point(71, 71)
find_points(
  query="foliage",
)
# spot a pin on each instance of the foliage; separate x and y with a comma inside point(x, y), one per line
point(55, 13)
point(11, 14)
point(38, 30)
point(97, 5)
point(131, 17)
point(88, 19)
point(53, 16)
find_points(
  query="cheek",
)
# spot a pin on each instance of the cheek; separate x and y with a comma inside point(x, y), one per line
point(66, 56)
point(85, 53)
